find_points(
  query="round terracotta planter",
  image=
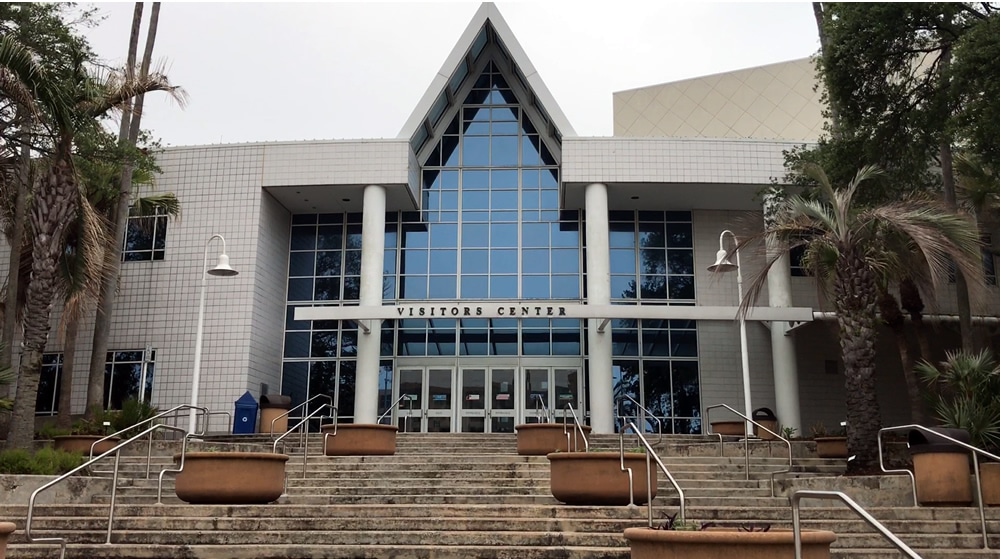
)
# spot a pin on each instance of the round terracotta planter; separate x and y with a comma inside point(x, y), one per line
point(231, 478)
point(728, 428)
point(832, 447)
point(359, 439)
point(537, 439)
point(715, 543)
point(80, 444)
point(990, 483)
point(6, 529)
point(942, 478)
point(595, 478)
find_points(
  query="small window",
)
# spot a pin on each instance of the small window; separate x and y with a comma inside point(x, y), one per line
point(796, 262)
point(128, 374)
point(47, 401)
point(145, 238)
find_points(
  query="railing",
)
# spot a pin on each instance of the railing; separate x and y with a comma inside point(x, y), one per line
point(747, 453)
point(149, 446)
point(406, 418)
point(116, 450)
point(974, 451)
point(330, 402)
point(646, 412)
point(541, 411)
point(578, 428)
point(649, 481)
point(303, 438)
point(797, 496)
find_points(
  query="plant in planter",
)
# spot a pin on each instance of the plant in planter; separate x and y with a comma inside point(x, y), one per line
point(963, 392)
point(596, 478)
point(675, 540)
point(830, 444)
point(223, 477)
point(84, 433)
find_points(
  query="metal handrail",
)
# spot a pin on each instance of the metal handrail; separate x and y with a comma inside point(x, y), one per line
point(747, 453)
point(542, 412)
point(797, 534)
point(660, 424)
point(301, 427)
point(976, 467)
point(149, 446)
point(578, 428)
point(208, 414)
point(116, 450)
point(287, 412)
point(406, 418)
point(649, 482)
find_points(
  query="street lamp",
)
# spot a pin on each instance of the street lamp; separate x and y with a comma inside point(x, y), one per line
point(222, 269)
point(724, 265)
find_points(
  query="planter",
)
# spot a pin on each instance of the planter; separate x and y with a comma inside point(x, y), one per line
point(832, 447)
point(725, 428)
point(81, 443)
point(595, 478)
point(942, 471)
point(231, 478)
point(538, 439)
point(359, 439)
point(647, 543)
point(6, 529)
point(990, 480)
point(771, 424)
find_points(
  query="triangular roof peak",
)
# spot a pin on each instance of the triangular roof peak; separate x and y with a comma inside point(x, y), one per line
point(486, 33)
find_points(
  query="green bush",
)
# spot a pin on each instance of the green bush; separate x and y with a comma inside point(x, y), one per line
point(133, 411)
point(46, 462)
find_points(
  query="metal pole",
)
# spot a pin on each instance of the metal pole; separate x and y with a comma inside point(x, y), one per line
point(199, 333)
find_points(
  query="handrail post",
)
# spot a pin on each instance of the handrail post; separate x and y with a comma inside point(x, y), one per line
point(747, 453)
point(797, 496)
point(650, 453)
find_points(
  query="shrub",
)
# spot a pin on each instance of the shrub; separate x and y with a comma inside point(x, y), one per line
point(45, 462)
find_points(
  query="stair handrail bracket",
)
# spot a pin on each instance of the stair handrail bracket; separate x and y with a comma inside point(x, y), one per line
point(747, 454)
point(116, 451)
point(648, 413)
point(649, 483)
point(578, 429)
point(974, 451)
point(797, 496)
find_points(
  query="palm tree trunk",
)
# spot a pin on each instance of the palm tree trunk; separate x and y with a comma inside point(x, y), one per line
point(54, 209)
point(65, 405)
point(120, 217)
point(14, 260)
point(855, 303)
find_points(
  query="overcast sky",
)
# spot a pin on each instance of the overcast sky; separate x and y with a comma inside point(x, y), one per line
point(268, 71)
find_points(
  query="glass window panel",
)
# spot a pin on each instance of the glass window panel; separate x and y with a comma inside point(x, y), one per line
point(449, 180)
point(503, 342)
point(448, 217)
point(389, 262)
point(300, 264)
point(565, 261)
point(291, 323)
point(296, 344)
point(656, 342)
point(625, 342)
point(476, 151)
point(346, 389)
point(504, 287)
point(353, 238)
point(504, 128)
point(391, 235)
point(329, 236)
point(388, 288)
point(652, 261)
point(475, 113)
point(530, 179)
point(497, 216)
point(529, 199)
point(477, 128)
point(566, 342)
point(504, 151)
point(535, 261)
point(678, 216)
point(684, 343)
point(530, 150)
point(414, 262)
point(503, 113)
point(295, 379)
point(685, 378)
point(504, 261)
point(443, 261)
point(473, 342)
point(415, 239)
point(535, 287)
point(657, 387)
point(475, 200)
point(449, 200)
point(475, 180)
point(412, 342)
point(651, 235)
point(323, 344)
point(327, 289)
point(503, 179)
point(432, 200)
point(444, 235)
point(653, 287)
point(566, 287)
point(504, 235)
point(304, 219)
point(548, 178)
point(303, 238)
point(474, 287)
point(679, 234)
point(414, 287)
point(535, 235)
point(621, 235)
point(565, 234)
point(622, 261)
point(474, 261)
point(550, 200)
point(682, 287)
point(475, 235)
point(328, 263)
point(680, 262)
point(352, 288)
point(470, 217)
point(535, 342)
point(504, 200)
point(441, 287)
point(300, 289)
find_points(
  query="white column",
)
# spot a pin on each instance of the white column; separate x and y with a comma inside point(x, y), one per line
point(784, 371)
point(373, 242)
point(598, 293)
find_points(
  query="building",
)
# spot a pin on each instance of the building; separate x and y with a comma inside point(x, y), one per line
point(489, 261)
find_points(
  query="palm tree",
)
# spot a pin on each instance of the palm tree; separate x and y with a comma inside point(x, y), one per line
point(64, 104)
point(848, 248)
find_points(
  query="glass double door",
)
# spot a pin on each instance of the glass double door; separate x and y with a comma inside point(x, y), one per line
point(484, 399)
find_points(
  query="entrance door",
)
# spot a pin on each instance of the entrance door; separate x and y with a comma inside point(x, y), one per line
point(488, 400)
point(556, 388)
point(427, 407)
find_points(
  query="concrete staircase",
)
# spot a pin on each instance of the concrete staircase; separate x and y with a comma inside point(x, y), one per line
point(465, 496)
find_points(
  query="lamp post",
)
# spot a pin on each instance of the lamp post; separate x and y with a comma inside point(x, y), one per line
point(222, 269)
point(724, 265)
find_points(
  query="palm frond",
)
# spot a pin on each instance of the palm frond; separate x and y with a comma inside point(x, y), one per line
point(156, 204)
point(115, 90)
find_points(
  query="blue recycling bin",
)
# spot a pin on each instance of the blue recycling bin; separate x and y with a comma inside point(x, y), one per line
point(245, 416)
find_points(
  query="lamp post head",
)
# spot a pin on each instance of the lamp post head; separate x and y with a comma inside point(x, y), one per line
point(723, 263)
point(222, 268)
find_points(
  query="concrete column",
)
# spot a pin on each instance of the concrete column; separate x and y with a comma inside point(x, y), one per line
point(598, 293)
point(373, 242)
point(784, 370)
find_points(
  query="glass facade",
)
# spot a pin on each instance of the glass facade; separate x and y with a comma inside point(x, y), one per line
point(491, 228)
